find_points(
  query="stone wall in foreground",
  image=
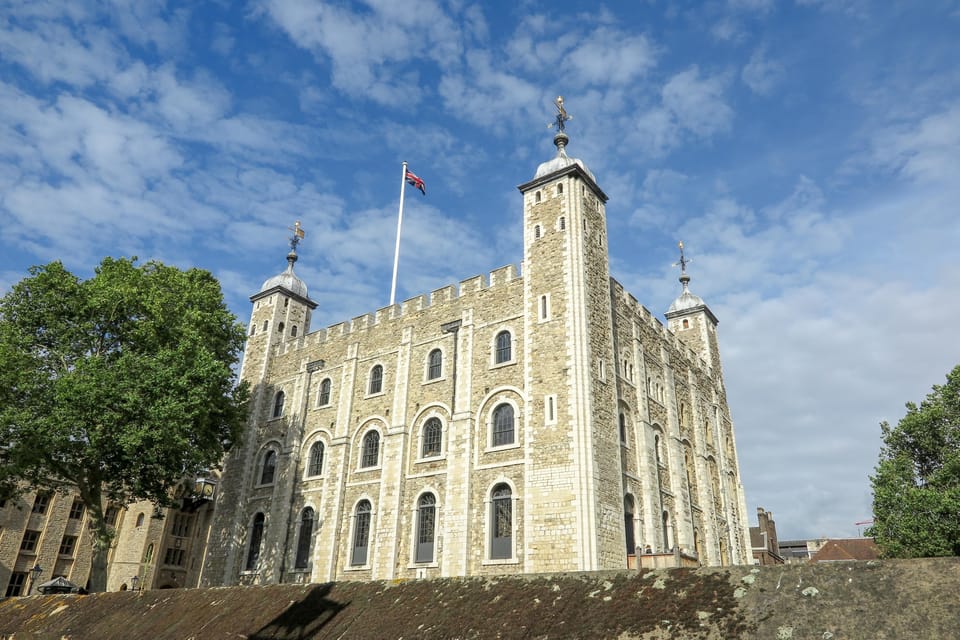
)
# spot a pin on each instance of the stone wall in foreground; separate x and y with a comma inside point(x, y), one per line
point(915, 599)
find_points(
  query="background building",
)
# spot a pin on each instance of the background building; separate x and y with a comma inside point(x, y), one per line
point(522, 423)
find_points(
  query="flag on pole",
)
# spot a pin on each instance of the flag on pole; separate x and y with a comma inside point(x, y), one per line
point(415, 181)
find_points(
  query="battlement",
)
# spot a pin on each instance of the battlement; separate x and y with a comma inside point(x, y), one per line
point(450, 294)
point(637, 310)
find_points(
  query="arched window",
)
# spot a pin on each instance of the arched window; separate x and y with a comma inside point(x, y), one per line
point(503, 348)
point(361, 534)
point(623, 429)
point(293, 331)
point(501, 522)
point(656, 447)
point(269, 467)
point(315, 466)
point(256, 537)
point(279, 327)
point(426, 527)
point(435, 364)
point(536, 232)
point(376, 379)
point(305, 539)
point(253, 330)
point(502, 433)
point(371, 449)
point(628, 527)
point(323, 397)
point(432, 438)
point(278, 404)
point(140, 520)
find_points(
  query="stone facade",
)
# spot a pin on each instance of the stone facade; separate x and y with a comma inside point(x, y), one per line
point(528, 423)
point(163, 548)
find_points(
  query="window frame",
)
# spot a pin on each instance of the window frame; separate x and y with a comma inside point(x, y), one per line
point(435, 369)
point(503, 353)
point(501, 549)
point(325, 392)
point(375, 376)
point(365, 455)
point(279, 399)
point(257, 526)
point(430, 423)
point(304, 548)
point(425, 552)
point(315, 467)
point(493, 426)
point(270, 454)
point(362, 526)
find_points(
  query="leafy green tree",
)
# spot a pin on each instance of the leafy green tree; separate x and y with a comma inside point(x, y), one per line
point(916, 488)
point(117, 387)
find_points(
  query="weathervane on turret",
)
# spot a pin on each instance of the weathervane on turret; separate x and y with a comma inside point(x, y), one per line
point(683, 262)
point(562, 116)
point(297, 236)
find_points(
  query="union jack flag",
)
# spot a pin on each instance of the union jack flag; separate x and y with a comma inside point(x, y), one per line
point(415, 181)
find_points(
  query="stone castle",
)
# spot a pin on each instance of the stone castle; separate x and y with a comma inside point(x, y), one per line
point(542, 422)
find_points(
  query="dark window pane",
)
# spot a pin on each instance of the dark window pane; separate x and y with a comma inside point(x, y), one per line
point(361, 534)
point(436, 363)
point(371, 450)
point(324, 397)
point(426, 527)
point(502, 425)
point(278, 405)
point(503, 347)
point(316, 459)
point(376, 379)
point(305, 539)
point(269, 467)
point(256, 537)
point(432, 438)
point(501, 523)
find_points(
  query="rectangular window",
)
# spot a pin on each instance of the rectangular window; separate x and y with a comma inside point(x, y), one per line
point(110, 517)
point(544, 309)
point(174, 557)
point(30, 539)
point(41, 502)
point(76, 509)
point(181, 525)
point(15, 586)
point(361, 540)
point(67, 545)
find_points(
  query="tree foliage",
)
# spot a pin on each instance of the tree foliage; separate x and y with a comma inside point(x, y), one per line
point(916, 488)
point(117, 386)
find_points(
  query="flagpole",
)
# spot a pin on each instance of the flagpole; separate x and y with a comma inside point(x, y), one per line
point(396, 252)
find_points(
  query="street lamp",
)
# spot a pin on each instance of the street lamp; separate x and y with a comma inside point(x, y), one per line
point(34, 576)
point(135, 583)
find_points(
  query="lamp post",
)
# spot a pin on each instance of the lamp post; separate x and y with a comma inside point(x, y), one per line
point(34, 576)
point(135, 583)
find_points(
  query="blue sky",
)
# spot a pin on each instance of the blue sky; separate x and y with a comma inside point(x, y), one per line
point(807, 152)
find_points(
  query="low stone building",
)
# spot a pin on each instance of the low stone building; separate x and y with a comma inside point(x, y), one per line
point(518, 423)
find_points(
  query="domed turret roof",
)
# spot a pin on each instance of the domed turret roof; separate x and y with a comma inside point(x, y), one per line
point(686, 300)
point(562, 160)
point(287, 279)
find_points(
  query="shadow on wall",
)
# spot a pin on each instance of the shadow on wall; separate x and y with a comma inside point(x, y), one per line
point(304, 618)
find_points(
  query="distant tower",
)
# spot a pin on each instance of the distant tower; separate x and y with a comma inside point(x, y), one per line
point(281, 312)
point(691, 319)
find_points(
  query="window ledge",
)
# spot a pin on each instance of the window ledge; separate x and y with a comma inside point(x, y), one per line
point(434, 380)
point(502, 447)
point(365, 469)
point(375, 395)
point(502, 561)
point(365, 567)
point(432, 564)
point(508, 363)
point(436, 458)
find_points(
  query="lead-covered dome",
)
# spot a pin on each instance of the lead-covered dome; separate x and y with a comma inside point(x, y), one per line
point(686, 300)
point(287, 279)
point(562, 160)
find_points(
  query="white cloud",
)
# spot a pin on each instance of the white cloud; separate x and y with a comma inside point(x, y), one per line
point(697, 103)
point(762, 74)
